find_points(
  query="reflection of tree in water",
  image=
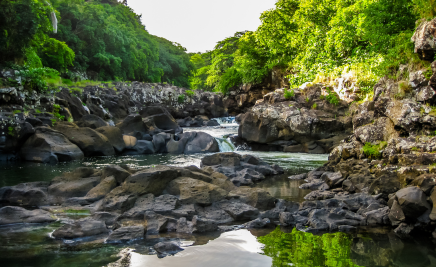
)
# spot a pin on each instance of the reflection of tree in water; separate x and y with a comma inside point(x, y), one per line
point(307, 250)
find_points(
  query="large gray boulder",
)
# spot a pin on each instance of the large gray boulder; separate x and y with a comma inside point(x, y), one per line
point(91, 121)
point(91, 142)
point(12, 215)
point(412, 201)
point(201, 143)
point(115, 137)
point(27, 194)
point(49, 146)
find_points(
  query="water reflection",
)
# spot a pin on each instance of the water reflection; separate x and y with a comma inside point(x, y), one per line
point(368, 247)
point(236, 248)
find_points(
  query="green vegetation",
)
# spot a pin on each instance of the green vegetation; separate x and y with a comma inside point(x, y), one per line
point(314, 106)
point(288, 93)
point(98, 39)
point(11, 131)
point(332, 97)
point(373, 151)
point(190, 93)
point(181, 99)
point(306, 249)
point(318, 41)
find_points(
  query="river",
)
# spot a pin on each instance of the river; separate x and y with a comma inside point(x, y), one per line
point(32, 245)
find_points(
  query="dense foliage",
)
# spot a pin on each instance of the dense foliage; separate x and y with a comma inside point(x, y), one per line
point(98, 39)
point(305, 249)
point(319, 40)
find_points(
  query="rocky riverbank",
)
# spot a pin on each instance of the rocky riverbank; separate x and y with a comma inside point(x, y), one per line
point(389, 159)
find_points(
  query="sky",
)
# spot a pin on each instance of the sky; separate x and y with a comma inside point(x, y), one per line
point(199, 24)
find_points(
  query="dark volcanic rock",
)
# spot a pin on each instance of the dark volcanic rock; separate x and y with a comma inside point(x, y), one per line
point(91, 142)
point(126, 234)
point(49, 146)
point(91, 121)
point(12, 215)
point(81, 228)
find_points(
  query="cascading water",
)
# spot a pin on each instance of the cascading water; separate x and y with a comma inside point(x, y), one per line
point(54, 19)
point(225, 145)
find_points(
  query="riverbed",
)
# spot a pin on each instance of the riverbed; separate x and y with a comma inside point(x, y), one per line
point(32, 245)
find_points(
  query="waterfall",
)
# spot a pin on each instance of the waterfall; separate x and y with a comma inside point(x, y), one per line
point(225, 145)
point(227, 121)
point(54, 19)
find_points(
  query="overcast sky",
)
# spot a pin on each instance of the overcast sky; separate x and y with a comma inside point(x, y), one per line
point(199, 24)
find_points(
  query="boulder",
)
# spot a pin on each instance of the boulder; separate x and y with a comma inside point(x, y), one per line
point(81, 228)
point(115, 137)
point(159, 143)
point(13, 215)
point(126, 234)
point(165, 204)
point(396, 214)
point(26, 194)
point(201, 143)
point(129, 141)
point(423, 38)
point(151, 180)
point(333, 180)
point(192, 191)
point(412, 201)
point(156, 223)
point(117, 172)
point(132, 124)
point(102, 189)
point(91, 142)
point(204, 225)
point(61, 191)
point(91, 121)
point(184, 226)
point(256, 197)
point(49, 146)
point(213, 213)
point(142, 204)
point(238, 210)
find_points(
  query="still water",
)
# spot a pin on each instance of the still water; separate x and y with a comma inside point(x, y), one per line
point(32, 245)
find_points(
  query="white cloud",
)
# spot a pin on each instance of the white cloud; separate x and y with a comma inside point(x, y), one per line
point(199, 24)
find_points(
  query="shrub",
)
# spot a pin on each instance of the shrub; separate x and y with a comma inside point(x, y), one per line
point(332, 97)
point(181, 98)
point(289, 94)
point(190, 93)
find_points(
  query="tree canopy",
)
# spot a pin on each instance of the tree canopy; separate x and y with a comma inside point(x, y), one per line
point(103, 39)
point(318, 39)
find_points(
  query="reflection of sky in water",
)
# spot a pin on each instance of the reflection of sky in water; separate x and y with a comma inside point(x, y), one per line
point(236, 248)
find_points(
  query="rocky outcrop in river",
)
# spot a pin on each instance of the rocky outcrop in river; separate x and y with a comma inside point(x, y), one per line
point(303, 121)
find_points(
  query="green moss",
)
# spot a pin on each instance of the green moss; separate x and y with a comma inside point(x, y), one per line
point(373, 151)
point(314, 106)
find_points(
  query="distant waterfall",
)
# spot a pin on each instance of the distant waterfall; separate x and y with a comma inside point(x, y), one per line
point(54, 19)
